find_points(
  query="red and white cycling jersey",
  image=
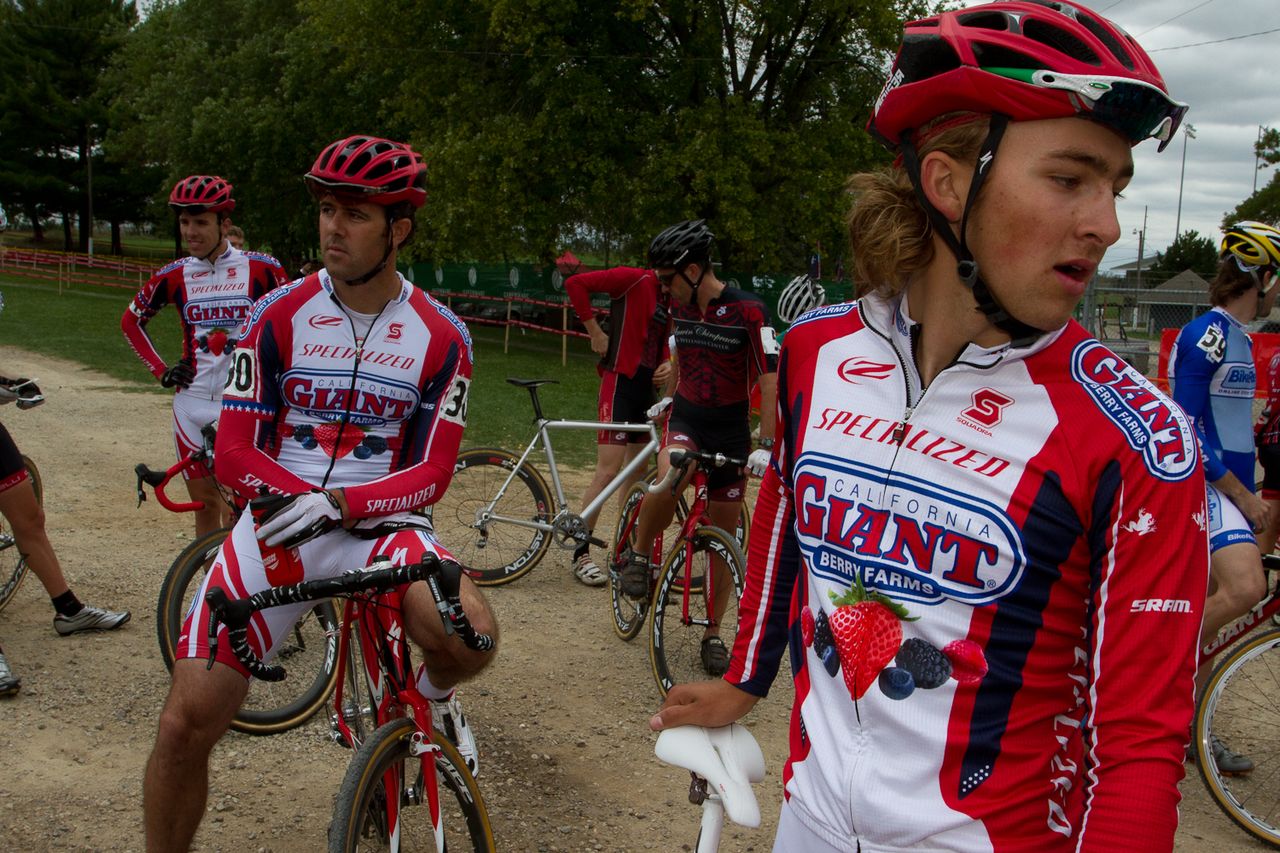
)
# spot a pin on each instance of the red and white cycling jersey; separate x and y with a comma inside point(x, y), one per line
point(310, 405)
point(213, 300)
point(1039, 512)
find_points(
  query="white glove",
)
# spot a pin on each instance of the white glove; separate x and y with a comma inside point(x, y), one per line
point(308, 515)
point(758, 461)
point(656, 410)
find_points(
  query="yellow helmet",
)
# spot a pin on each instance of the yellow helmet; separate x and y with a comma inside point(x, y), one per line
point(1253, 244)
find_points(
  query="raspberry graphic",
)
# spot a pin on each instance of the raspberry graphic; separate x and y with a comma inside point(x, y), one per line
point(928, 666)
point(968, 663)
point(806, 626)
point(896, 683)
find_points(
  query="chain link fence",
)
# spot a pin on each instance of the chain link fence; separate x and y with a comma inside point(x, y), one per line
point(1130, 319)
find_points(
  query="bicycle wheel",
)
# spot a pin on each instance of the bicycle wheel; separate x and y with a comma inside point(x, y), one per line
point(628, 613)
point(13, 566)
point(1240, 705)
point(497, 552)
point(310, 651)
point(383, 796)
point(675, 642)
point(357, 701)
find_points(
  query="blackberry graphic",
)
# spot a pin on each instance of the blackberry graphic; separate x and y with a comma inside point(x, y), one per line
point(376, 444)
point(927, 664)
point(824, 644)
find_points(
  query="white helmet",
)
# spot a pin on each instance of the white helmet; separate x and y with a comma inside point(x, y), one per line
point(801, 294)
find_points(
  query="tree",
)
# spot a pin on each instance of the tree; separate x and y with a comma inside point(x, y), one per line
point(1189, 251)
point(52, 106)
point(1263, 205)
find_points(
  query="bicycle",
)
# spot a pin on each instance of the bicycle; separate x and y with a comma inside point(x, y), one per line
point(685, 590)
point(499, 516)
point(269, 708)
point(400, 762)
point(723, 763)
point(1240, 704)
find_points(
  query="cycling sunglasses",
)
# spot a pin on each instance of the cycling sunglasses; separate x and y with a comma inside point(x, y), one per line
point(1137, 110)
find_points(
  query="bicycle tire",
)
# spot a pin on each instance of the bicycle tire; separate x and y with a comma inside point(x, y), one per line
point(682, 510)
point(675, 649)
point(1240, 704)
point(628, 613)
point(501, 553)
point(359, 816)
point(269, 708)
point(13, 566)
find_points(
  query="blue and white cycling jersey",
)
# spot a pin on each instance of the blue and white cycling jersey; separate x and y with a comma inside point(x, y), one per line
point(1213, 379)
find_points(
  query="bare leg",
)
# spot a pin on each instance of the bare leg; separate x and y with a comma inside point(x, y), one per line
point(1267, 538)
point(197, 713)
point(1238, 584)
point(447, 659)
point(216, 513)
point(20, 509)
point(723, 514)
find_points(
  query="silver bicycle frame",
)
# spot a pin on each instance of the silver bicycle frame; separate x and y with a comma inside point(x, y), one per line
point(543, 437)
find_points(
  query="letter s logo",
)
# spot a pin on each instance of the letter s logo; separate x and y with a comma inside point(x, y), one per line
point(988, 407)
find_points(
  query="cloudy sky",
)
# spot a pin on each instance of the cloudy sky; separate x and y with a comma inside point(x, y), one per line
point(1231, 87)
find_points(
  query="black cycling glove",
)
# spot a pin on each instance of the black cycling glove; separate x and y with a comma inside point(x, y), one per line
point(182, 374)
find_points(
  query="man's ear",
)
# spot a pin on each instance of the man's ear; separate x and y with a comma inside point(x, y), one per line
point(945, 181)
point(400, 230)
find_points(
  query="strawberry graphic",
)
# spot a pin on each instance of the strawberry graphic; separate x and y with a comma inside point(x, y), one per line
point(216, 341)
point(326, 435)
point(868, 631)
point(968, 663)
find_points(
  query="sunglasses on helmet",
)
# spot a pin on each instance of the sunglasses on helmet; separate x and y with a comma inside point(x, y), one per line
point(1135, 109)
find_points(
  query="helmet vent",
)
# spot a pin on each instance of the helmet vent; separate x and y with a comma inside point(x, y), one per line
point(925, 56)
point(999, 56)
point(1118, 50)
point(1060, 40)
point(988, 20)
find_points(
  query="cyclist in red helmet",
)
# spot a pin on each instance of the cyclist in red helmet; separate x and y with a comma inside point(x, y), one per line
point(212, 290)
point(347, 393)
point(981, 532)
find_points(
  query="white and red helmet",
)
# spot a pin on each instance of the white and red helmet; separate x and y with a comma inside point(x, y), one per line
point(1028, 60)
point(372, 169)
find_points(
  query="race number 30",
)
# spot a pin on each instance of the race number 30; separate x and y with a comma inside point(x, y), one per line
point(455, 404)
point(242, 376)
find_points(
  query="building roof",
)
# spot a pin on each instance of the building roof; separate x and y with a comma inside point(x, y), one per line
point(1185, 288)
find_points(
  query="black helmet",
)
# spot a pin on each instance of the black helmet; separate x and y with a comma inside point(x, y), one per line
point(687, 242)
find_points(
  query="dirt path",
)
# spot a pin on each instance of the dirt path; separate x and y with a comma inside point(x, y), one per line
point(567, 758)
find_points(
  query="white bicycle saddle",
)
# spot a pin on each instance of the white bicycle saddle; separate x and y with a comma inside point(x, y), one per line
point(728, 758)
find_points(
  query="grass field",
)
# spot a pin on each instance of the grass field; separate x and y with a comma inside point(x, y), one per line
point(82, 324)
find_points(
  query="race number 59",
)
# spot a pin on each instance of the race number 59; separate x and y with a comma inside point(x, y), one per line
point(242, 376)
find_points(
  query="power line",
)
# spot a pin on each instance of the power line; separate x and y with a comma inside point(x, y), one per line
point(1174, 18)
point(1216, 41)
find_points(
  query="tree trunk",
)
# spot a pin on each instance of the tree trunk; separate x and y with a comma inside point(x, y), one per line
point(37, 228)
point(117, 248)
point(67, 244)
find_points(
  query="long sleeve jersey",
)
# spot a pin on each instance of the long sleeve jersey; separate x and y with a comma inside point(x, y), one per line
point(1213, 378)
point(637, 312)
point(1039, 513)
point(310, 402)
point(212, 300)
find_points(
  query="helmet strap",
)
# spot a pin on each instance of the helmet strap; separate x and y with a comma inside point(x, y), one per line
point(382, 264)
point(966, 266)
point(702, 272)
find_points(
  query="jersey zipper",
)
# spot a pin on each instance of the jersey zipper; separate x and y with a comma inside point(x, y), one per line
point(358, 343)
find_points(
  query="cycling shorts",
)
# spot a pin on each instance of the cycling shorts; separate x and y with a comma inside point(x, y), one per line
point(795, 836)
point(238, 569)
point(1227, 524)
point(1269, 456)
point(190, 415)
point(714, 429)
point(625, 400)
point(12, 471)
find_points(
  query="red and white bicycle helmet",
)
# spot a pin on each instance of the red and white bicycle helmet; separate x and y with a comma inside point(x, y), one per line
point(200, 193)
point(372, 169)
point(1028, 60)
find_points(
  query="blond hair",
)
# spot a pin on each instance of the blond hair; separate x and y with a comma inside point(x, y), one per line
point(890, 237)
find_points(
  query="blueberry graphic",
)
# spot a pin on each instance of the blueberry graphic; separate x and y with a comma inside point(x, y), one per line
point(830, 659)
point(361, 451)
point(308, 443)
point(896, 682)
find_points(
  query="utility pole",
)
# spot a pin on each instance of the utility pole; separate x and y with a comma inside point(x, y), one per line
point(1142, 237)
point(1188, 132)
point(1255, 159)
